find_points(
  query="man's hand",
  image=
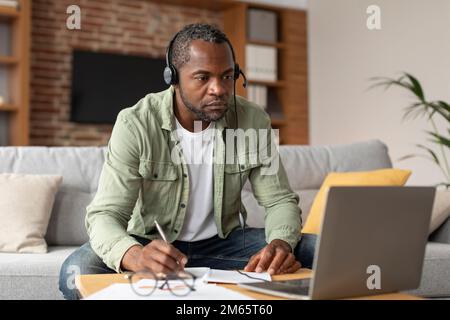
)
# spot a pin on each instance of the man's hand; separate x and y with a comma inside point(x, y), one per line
point(158, 256)
point(276, 257)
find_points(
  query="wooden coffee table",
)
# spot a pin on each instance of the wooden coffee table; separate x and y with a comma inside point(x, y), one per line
point(89, 284)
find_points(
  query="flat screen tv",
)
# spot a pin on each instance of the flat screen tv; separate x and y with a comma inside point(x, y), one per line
point(105, 83)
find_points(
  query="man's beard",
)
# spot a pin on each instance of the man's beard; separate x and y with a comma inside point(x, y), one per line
point(198, 111)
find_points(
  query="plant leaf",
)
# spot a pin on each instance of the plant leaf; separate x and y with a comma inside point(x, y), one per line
point(408, 156)
point(444, 106)
point(416, 87)
point(436, 107)
point(413, 111)
point(431, 152)
point(441, 140)
point(388, 82)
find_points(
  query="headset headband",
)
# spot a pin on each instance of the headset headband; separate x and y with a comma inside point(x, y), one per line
point(171, 73)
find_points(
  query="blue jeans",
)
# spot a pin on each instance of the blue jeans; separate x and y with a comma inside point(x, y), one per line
point(215, 253)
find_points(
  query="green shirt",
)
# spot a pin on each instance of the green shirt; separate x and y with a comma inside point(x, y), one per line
point(145, 178)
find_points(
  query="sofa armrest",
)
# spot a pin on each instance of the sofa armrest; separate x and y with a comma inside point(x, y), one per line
point(442, 234)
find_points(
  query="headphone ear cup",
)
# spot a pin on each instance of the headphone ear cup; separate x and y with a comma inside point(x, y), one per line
point(170, 75)
point(167, 75)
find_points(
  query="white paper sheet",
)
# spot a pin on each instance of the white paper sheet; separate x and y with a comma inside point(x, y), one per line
point(227, 276)
point(230, 276)
point(123, 291)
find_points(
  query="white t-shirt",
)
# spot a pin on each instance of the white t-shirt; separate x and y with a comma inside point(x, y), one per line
point(197, 148)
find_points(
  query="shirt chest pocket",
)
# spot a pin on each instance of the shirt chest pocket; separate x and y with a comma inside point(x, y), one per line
point(158, 171)
point(248, 162)
point(159, 184)
point(232, 170)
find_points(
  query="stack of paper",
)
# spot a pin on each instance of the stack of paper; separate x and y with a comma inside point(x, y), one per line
point(203, 291)
point(228, 276)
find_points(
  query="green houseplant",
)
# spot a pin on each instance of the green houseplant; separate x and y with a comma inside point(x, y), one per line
point(421, 107)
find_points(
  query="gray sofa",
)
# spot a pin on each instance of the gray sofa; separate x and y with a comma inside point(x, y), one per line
point(35, 276)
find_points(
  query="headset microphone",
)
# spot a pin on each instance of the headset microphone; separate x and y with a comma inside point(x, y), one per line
point(245, 78)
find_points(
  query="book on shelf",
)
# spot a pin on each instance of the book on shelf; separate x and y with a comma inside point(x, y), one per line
point(9, 3)
point(262, 25)
point(3, 129)
point(261, 62)
point(258, 94)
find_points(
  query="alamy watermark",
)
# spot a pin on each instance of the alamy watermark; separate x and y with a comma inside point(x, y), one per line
point(373, 21)
point(73, 21)
point(374, 280)
point(244, 148)
point(72, 271)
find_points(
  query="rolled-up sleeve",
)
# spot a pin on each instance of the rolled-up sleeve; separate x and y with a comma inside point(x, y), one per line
point(108, 214)
point(272, 191)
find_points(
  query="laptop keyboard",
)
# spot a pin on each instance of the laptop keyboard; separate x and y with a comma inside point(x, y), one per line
point(292, 287)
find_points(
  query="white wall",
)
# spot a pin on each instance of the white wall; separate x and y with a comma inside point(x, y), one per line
point(344, 54)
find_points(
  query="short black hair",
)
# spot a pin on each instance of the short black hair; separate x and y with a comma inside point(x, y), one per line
point(197, 31)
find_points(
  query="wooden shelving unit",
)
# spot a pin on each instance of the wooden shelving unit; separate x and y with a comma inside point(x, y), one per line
point(276, 84)
point(290, 89)
point(8, 60)
point(7, 12)
point(17, 66)
point(278, 45)
point(8, 107)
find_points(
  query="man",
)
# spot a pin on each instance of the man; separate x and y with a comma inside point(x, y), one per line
point(151, 174)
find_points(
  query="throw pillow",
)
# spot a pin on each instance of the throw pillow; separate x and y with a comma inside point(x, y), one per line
point(26, 203)
point(383, 177)
point(441, 209)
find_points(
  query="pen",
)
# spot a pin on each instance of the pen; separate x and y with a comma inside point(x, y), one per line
point(163, 236)
point(161, 232)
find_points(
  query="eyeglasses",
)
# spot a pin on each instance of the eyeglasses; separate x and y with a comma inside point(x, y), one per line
point(145, 282)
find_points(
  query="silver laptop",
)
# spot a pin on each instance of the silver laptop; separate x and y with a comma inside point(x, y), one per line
point(372, 241)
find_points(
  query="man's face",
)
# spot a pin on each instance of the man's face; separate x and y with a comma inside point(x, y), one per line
point(206, 80)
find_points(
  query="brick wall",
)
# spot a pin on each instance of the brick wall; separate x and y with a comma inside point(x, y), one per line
point(135, 27)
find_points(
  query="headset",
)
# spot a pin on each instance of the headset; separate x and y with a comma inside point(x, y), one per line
point(171, 78)
point(171, 73)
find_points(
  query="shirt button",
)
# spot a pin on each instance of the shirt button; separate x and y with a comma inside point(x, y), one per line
point(155, 175)
point(183, 205)
point(185, 175)
point(242, 167)
point(176, 230)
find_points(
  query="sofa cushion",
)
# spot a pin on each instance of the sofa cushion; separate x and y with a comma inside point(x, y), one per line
point(384, 177)
point(309, 165)
point(441, 209)
point(32, 276)
point(66, 225)
point(442, 234)
point(80, 168)
point(436, 271)
point(26, 202)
